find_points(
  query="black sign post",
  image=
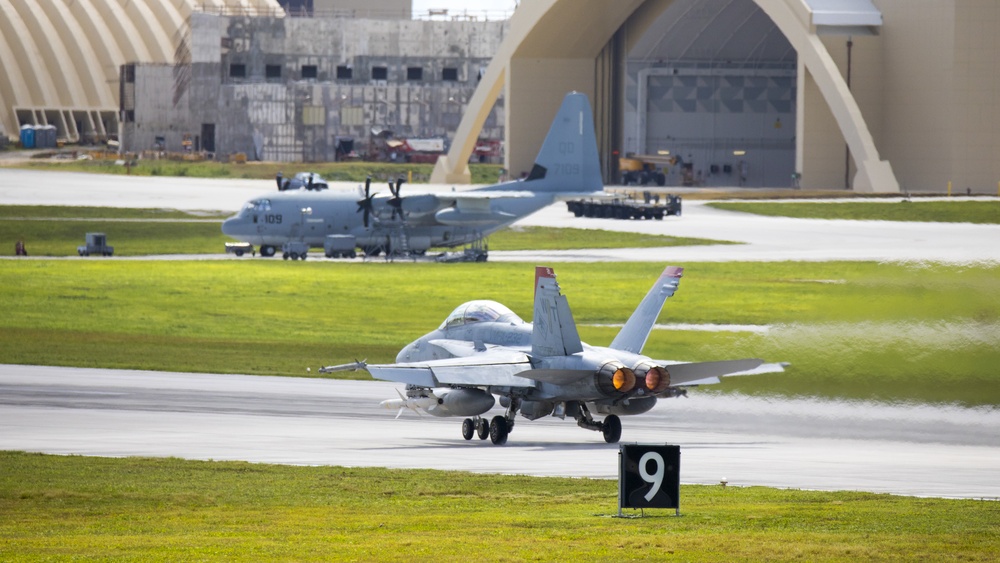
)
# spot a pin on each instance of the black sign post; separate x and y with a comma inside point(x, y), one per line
point(649, 476)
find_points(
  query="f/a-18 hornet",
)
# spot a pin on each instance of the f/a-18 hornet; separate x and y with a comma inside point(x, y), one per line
point(567, 165)
point(542, 368)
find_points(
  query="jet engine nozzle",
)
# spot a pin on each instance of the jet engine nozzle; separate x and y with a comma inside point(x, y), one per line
point(614, 378)
point(655, 378)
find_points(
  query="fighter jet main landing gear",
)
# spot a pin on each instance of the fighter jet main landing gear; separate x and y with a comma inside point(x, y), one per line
point(475, 426)
point(499, 430)
point(611, 428)
point(501, 426)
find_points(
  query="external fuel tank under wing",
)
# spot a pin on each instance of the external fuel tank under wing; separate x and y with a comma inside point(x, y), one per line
point(567, 166)
point(543, 368)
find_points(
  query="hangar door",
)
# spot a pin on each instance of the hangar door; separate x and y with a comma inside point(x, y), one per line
point(712, 84)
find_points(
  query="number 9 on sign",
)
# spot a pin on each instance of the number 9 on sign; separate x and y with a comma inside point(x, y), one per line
point(649, 476)
point(656, 477)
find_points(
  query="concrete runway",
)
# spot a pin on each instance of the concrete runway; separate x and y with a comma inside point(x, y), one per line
point(822, 445)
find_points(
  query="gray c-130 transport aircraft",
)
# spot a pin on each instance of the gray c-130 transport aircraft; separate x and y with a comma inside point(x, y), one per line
point(567, 166)
point(542, 368)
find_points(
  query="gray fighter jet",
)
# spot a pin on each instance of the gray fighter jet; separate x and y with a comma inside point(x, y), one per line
point(542, 368)
point(567, 166)
point(302, 180)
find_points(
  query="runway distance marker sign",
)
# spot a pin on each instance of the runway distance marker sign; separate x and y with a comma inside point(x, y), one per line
point(649, 476)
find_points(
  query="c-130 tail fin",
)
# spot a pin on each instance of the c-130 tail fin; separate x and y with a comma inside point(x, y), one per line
point(568, 161)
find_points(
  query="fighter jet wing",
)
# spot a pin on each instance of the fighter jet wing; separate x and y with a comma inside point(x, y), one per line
point(494, 368)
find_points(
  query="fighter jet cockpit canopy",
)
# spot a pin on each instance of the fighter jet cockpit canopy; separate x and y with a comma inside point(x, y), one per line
point(478, 312)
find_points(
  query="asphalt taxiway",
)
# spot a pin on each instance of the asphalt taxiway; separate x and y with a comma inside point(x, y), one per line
point(761, 238)
point(934, 451)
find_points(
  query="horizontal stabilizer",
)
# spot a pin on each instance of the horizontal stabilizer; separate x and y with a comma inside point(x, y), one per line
point(557, 376)
point(763, 368)
point(696, 373)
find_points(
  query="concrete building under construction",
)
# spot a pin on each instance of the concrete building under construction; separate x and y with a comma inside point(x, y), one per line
point(307, 88)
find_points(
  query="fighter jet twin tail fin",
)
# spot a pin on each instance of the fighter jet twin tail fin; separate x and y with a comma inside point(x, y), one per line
point(634, 334)
point(554, 331)
point(555, 334)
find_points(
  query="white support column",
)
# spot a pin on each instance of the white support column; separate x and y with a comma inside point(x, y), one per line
point(874, 174)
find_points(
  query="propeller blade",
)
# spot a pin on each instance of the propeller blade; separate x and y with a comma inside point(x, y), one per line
point(396, 202)
point(365, 205)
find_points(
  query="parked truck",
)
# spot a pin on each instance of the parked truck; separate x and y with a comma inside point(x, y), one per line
point(643, 169)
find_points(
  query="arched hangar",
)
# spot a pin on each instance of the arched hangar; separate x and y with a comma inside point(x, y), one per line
point(61, 60)
point(873, 82)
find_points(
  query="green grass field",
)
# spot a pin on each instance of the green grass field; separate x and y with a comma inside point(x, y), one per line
point(851, 330)
point(890, 332)
point(932, 211)
point(96, 509)
point(58, 231)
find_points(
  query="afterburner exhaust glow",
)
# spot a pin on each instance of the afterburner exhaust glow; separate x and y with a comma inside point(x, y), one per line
point(614, 378)
point(655, 378)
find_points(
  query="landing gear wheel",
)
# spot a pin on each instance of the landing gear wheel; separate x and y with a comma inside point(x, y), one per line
point(267, 251)
point(498, 430)
point(468, 428)
point(285, 256)
point(482, 428)
point(612, 429)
